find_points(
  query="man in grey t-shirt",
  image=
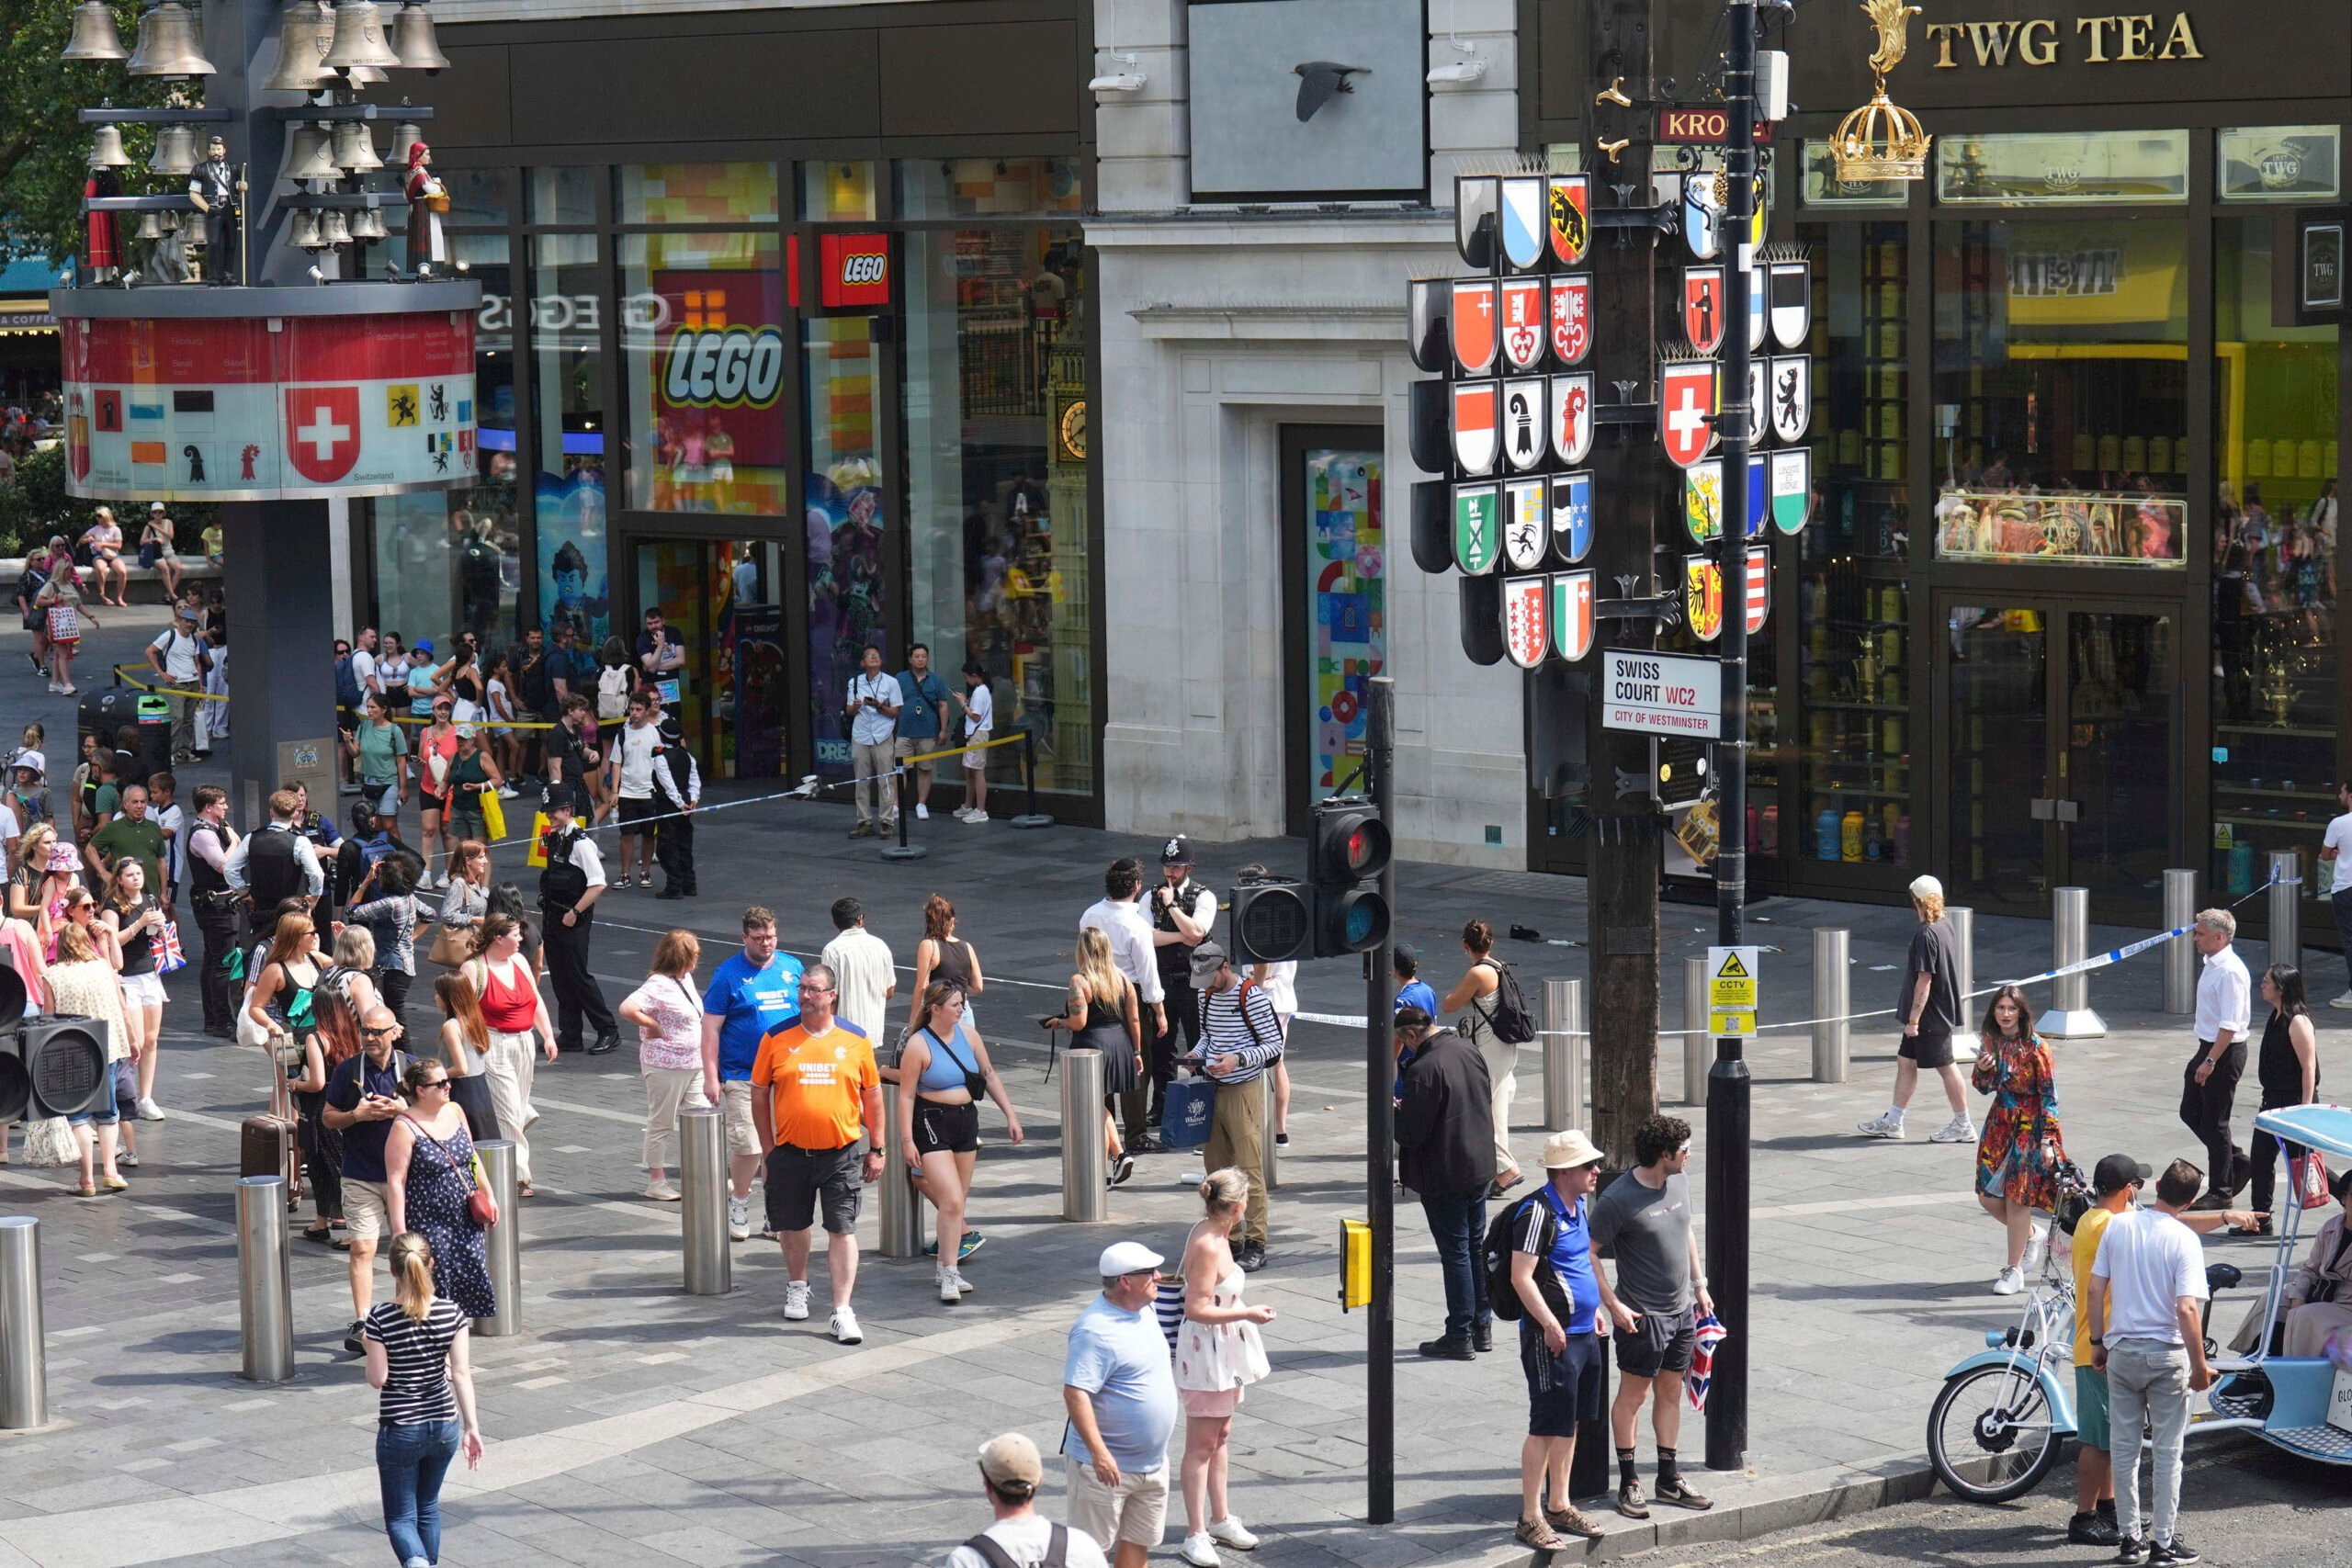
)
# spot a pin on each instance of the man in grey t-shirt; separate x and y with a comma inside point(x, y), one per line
point(1646, 1216)
point(1931, 1007)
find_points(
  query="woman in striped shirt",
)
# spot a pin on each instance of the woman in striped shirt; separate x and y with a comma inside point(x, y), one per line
point(416, 1355)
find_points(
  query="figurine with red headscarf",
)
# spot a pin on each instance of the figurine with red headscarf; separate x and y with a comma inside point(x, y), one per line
point(428, 198)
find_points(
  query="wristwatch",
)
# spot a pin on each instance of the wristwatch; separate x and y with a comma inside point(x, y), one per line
point(2099, 1340)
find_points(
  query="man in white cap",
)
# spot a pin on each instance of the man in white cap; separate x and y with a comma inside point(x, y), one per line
point(1119, 1386)
point(1929, 1007)
point(1555, 1273)
point(1011, 1471)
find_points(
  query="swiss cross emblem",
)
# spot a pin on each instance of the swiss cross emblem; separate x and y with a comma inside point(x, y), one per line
point(322, 431)
point(1686, 411)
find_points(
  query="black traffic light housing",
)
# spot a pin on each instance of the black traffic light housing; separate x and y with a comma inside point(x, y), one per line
point(1273, 921)
point(1347, 848)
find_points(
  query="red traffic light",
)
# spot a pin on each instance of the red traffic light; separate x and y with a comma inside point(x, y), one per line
point(1350, 843)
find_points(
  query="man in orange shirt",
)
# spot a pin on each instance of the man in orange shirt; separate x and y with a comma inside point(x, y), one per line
point(823, 1092)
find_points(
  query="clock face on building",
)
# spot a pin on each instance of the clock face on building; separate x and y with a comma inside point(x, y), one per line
point(1071, 431)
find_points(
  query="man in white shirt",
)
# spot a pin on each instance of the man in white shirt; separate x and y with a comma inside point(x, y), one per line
point(1119, 916)
point(872, 712)
point(2208, 1085)
point(632, 764)
point(2148, 1286)
point(178, 657)
point(864, 973)
point(2331, 855)
point(1010, 1471)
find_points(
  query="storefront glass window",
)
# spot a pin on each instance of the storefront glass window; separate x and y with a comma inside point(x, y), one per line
point(996, 403)
point(477, 197)
point(2279, 163)
point(846, 514)
point(2061, 392)
point(1823, 188)
point(2275, 538)
point(2049, 170)
point(836, 192)
point(561, 195)
point(703, 342)
point(696, 192)
point(569, 433)
point(972, 188)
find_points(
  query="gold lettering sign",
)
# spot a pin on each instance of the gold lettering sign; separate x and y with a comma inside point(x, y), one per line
point(2128, 39)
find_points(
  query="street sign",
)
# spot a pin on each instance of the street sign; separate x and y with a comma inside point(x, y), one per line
point(1703, 126)
point(1731, 992)
point(1661, 693)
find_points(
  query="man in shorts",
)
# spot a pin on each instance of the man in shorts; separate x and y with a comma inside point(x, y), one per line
point(363, 1097)
point(1646, 1216)
point(632, 762)
point(1929, 1005)
point(1120, 1393)
point(1561, 1291)
point(753, 992)
point(817, 1096)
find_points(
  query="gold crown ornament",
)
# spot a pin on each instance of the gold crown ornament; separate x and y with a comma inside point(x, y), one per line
point(1882, 140)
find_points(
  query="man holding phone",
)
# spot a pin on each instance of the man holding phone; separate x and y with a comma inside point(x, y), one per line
point(872, 712)
point(363, 1099)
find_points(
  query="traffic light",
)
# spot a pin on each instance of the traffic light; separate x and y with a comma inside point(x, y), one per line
point(1272, 922)
point(1347, 849)
point(50, 1066)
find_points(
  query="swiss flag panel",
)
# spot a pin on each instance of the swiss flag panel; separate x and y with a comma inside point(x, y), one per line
point(323, 431)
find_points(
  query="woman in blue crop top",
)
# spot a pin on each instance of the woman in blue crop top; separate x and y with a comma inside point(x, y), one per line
point(939, 1123)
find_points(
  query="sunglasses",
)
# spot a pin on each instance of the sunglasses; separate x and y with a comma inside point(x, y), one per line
point(378, 1033)
point(817, 990)
point(435, 1083)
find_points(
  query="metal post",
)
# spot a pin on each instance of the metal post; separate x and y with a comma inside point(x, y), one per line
point(502, 1242)
point(1032, 817)
point(702, 1171)
point(2070, 1016)
point(1086, 1191)
point(1380, 1127)
point(1562, 1054)
point(1963, 933)
point(1268, 1154)
point(2180, 953)
point(902, 1223)
point(2286, 908)
point(264, 1280)
point(903, 850)
point(1696, 1052)
point(1831, 984)
point(24, 1353)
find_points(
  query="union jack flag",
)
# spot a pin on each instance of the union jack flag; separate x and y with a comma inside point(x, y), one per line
point(1712, 1333)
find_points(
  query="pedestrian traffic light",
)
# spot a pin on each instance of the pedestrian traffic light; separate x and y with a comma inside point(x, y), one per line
point(1273, 921)
point(48, 1067)
point(1347, 849)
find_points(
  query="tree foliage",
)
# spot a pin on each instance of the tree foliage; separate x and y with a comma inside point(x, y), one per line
point(44, 148)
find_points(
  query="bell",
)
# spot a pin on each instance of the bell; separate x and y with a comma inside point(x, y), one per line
point(360, 38)
point(167, 44)
point(105, 148)
point(176, 151)
point(93, 35)
point(368, 223)
point(354, 149)
point(412, 39)
point(302, 37)
point(151, 226)
point(305, 232)
point(311, 156)
point(405, 135)
point(333, 230)
point(171, 222)
point(364, 75)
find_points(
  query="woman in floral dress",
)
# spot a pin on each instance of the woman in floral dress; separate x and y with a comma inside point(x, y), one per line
point(429, 1159)
point(2018, 1157)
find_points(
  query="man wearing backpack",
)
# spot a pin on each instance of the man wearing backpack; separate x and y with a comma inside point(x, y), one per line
point(354, 679)
point(1011, 1472)
point(179, 658)
point(1445, 1156)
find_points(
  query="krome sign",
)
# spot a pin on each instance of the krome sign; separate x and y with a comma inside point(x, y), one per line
point(2145, 37)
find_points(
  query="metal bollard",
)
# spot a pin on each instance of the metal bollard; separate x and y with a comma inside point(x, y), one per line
point(902, 1225)
point(702, 1172)
point(264, 1280)
point(1963, 935)
point(1269, 1152)
point(1832, 1000)
point(1029, 816)
point(2287, 908)
point(903, 784)
point(2070, 1016)
point(2180, 953)
point(1086, 1193)
point(1698, 1049)
point(24, 1354)
point(1564, 1054)
point(502, 1242)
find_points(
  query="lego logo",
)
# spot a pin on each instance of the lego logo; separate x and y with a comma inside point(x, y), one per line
point(725, 368)
point(871, 267)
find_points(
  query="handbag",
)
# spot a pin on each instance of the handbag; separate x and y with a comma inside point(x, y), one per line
point(64, 623)
point(1167, 1305)
point(170, 958)
point(481, 1207)
point(248, 1032)
point(50, 1143)
point(450, 946)
point(2310, 1179)
point(493, 815)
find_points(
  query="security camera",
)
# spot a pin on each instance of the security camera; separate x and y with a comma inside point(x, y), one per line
point(1127, 81)
point(1456, 71)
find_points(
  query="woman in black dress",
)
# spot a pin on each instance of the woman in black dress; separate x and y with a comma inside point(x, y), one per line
point(1103, 1015)
point(431, 1170)
point(2287, 1068)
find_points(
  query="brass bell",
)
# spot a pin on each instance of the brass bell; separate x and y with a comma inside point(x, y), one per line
point(333, 230)
point(405, 135)
point(302, 36)
point(176, 151)
point(170, 220)
point(368, 223)
point(305, 232)
point(151, 226)
point(105, 148)
point(355, 148)
point(311, 156)
point(167, 44)
point(360, 38)
point(413, 41)
point(94, 34)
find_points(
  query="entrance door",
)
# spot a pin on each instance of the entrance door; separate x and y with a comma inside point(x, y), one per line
point(722, 602)
point(2062, 741)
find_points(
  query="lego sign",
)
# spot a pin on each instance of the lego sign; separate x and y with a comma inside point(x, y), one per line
point(853, 270)
point(721, 358)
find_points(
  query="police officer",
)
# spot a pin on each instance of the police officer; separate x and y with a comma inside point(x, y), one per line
point(275, 863)
point(1182, 913)
point(569, 888)
point(219, 909)
point(678, 790)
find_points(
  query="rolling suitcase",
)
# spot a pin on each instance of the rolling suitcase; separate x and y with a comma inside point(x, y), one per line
point(265, 1146)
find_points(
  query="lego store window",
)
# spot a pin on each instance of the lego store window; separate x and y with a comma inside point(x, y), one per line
point(836, 192)
point(2276, 411)
point(997, 437)
point(986, 187)
point(705, 352)
point(569, 431)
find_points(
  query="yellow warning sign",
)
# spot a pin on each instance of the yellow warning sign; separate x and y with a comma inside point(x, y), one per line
point(1732, 992)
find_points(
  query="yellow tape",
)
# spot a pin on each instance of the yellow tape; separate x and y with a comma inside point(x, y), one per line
point(959, 751)
point(122, 672)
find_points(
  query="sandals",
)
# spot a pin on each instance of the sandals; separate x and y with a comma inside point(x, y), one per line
point(87, 1190)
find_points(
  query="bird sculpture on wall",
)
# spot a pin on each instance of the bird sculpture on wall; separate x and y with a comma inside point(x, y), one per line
point(1318, 79)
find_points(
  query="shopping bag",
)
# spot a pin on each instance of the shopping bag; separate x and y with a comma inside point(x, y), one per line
point(1185, 1118)
point(2309, 1173)
point(538, 856)
point(493, 815)
point(169, 956)
point(50, 1143)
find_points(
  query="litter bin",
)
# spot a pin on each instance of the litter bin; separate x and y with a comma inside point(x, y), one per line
point(105, 713)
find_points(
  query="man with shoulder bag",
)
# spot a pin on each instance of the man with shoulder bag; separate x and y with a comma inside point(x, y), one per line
point(1240, 1040)
point(1010, 1471)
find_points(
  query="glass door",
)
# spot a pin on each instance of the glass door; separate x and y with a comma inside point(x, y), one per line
point(722, 601)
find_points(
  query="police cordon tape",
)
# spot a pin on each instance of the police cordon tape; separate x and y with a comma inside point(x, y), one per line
point(122, 672)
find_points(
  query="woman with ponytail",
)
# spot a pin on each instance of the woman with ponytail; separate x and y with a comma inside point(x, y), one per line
point(417, 1356)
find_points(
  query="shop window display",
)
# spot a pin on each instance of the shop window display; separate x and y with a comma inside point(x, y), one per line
point(835, 192)
point(986, 187)
point(847, 511)
point(696, 193)
point(569, 434)
point(703, 344)
point(563, 196)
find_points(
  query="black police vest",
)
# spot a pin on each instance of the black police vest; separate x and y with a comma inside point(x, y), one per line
point(202, 880)
point(562, 884)
point(1175, 959)
point(272, 874)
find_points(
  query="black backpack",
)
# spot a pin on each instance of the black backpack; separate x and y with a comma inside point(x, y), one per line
point(1057, 1550)
point(1502, 1240)
point(346, 683)
point(1507, 1013)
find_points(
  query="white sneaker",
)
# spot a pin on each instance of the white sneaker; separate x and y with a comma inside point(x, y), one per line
point(1959, 1130)
point(738, 1220)
point(507, 792)
point(795, 1300)
point(922, 812)
point(976, 817)
point(1200, 1551)
point(844, 1325)
point(2035, 1248)
point(1885, 1124)
point(2008, 1282)
point(148, 1110)
point(2344, 1001)
point(950, 1291)
point(1233, 1533)
point(661, 1192)
point(961, 812)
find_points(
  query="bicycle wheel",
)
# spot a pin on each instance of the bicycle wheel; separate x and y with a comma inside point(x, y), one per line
point(1990, 1435)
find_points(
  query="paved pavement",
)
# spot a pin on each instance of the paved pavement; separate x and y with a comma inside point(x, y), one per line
point(630, 1422)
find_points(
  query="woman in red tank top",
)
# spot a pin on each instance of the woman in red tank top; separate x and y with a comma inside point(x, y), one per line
point(511, 1007)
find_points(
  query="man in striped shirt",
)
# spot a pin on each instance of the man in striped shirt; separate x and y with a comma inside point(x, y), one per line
point(1240, 1040)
